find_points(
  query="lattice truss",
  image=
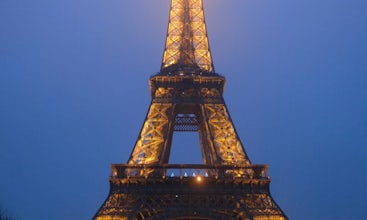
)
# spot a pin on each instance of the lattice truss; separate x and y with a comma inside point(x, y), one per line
point(118, 204)
point(262, 206)
point(219, 141)
point(226, 142)
point(181, 103)
point(187, 42)
point(148, 205)
point(149, 146)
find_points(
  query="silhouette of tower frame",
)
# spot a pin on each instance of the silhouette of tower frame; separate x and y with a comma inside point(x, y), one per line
point(187, 95)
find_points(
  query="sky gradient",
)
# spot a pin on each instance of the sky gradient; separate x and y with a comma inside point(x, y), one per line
point(74, 93)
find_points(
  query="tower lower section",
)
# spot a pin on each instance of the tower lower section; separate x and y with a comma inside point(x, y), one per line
point(189, 192)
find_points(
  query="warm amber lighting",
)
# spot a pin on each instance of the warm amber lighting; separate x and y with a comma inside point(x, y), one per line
point(198, 178)
point(187, 41)
point(269, 218)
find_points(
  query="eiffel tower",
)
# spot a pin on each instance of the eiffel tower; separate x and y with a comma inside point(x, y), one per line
point(187, 96)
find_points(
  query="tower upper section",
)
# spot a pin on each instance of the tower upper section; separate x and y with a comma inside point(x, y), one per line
point(187, 46)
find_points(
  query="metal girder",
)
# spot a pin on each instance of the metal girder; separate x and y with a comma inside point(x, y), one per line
point(186, 122)
point(187, 43)
point(187, 198)
point(187, 95)
point(149, 147)
point(184, 107)
point(223, 135)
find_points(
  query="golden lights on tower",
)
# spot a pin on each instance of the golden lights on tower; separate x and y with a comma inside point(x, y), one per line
point(187, 96)
point(187, 42)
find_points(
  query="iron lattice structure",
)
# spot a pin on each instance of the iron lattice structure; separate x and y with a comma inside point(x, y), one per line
point(187, 96)
point(187, 43)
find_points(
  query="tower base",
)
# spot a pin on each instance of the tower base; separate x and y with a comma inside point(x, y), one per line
point(186, 192)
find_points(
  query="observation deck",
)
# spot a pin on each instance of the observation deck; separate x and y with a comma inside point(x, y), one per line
point(126, 173)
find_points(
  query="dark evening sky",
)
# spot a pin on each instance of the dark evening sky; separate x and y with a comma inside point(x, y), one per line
point(74, 93)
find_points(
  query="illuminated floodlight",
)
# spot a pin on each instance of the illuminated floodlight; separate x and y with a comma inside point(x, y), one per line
point(198, 178)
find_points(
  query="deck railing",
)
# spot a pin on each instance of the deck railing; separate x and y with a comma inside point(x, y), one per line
point(189, 171)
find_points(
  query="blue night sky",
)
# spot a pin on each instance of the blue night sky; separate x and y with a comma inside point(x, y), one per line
point(74, 94)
